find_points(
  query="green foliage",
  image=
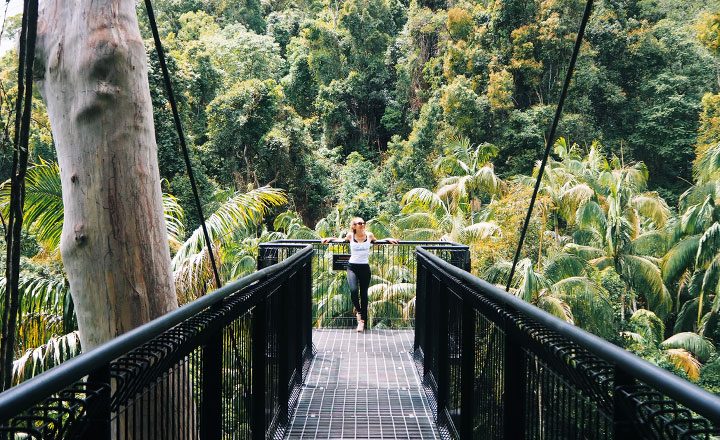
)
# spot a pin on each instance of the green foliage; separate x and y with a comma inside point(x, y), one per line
point(240, 119)
point(427, 119)
point(700, 347)
point(648, 325)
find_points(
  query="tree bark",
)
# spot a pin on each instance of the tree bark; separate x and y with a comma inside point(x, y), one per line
point(93, 77)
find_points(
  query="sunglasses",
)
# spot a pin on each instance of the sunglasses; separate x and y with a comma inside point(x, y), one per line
point(358, 224)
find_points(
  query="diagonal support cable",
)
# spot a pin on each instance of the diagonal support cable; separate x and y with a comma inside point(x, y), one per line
point(550, 140)
point(181, 135)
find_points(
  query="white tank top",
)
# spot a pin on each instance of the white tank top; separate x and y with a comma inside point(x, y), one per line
point(359, 252)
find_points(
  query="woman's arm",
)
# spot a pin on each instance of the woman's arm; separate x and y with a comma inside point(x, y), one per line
point(327, 240)
point(384, 240)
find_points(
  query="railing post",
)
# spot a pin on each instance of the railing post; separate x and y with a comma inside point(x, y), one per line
point(308, 307)
point(99, 411)
point(259, 347)
point(514, 378)
point(267, 256)
point(430, 323)
point(622, 418)
point(443, 357)
point(467, 372)
point(285, 307)
point(210, 415)
point(420, 299)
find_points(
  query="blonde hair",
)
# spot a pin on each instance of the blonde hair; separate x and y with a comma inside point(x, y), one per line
point(352, 222)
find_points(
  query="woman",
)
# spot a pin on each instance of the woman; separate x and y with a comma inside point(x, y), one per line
point(358, 270)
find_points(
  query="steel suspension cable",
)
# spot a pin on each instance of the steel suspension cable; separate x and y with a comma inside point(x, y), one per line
point(23, 109)
point(181, 134)
point(550, 140)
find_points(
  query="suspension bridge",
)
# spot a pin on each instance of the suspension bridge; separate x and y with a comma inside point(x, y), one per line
point(272, 355)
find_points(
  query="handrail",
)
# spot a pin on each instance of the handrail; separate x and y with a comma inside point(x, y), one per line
point(334, 312)
point(687, 393)
point(409, 242)
point(32, 392)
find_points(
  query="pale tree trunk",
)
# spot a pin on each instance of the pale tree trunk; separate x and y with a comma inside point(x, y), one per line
point(114, 243)
point(114, 246)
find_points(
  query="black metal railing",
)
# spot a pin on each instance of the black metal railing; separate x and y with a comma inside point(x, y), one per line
point(392, 292)
point(497, 367)
point(226, 366)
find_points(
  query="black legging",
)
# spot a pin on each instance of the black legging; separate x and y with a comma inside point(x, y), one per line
point(358, 276)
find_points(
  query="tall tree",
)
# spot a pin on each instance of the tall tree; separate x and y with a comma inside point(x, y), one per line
point(93, 77)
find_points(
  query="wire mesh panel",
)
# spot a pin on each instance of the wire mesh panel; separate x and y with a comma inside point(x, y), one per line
point(499, 368)
point(391, 297)
point(227, 366)
point(489, 357)
point(237, 379)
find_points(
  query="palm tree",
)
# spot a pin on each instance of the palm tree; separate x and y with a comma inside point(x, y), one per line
point(564, 182)
point(467, 175)
point(692, 266)
point(426, 216)
point(232, 229)
point(617, 224)
point(685, 351)
point(566, 288)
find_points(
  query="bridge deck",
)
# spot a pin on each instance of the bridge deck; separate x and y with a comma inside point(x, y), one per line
point(363, 386)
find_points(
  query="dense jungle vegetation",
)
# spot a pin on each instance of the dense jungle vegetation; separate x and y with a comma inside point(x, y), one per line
point(427, 117)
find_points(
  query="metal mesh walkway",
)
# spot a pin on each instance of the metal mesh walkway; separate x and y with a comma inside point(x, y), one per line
point(363, 386)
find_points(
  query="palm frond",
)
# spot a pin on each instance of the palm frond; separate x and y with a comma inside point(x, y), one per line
point(647, 324)
point(243, 211)
point(43, 209)
point(652, 206)
point(532, 282)
point(589, 302)
point(591, 216)
point(680, 258)
point(683, 360)
point(379, 228)
point(486, 180)
point(698, 217)
point(644, 276)
point(584, 252)
point(174, 220)
point(499, 272)
point(480, 231)
point(708, 166)
point(654, 243)
point(697, 194)
point(39, 359)
point(701, 347)
point(417, 220)
point(422, 197)
point(686, 319)
point(563, 266)
point(574, 197)
point(556, 307)
point(708, 246)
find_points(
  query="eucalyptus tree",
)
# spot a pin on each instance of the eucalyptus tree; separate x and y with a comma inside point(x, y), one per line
point(47, 331)
point(92, 71)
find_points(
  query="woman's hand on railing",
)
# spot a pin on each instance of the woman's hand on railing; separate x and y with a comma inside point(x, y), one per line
point(328, 240)
point(388, 240)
